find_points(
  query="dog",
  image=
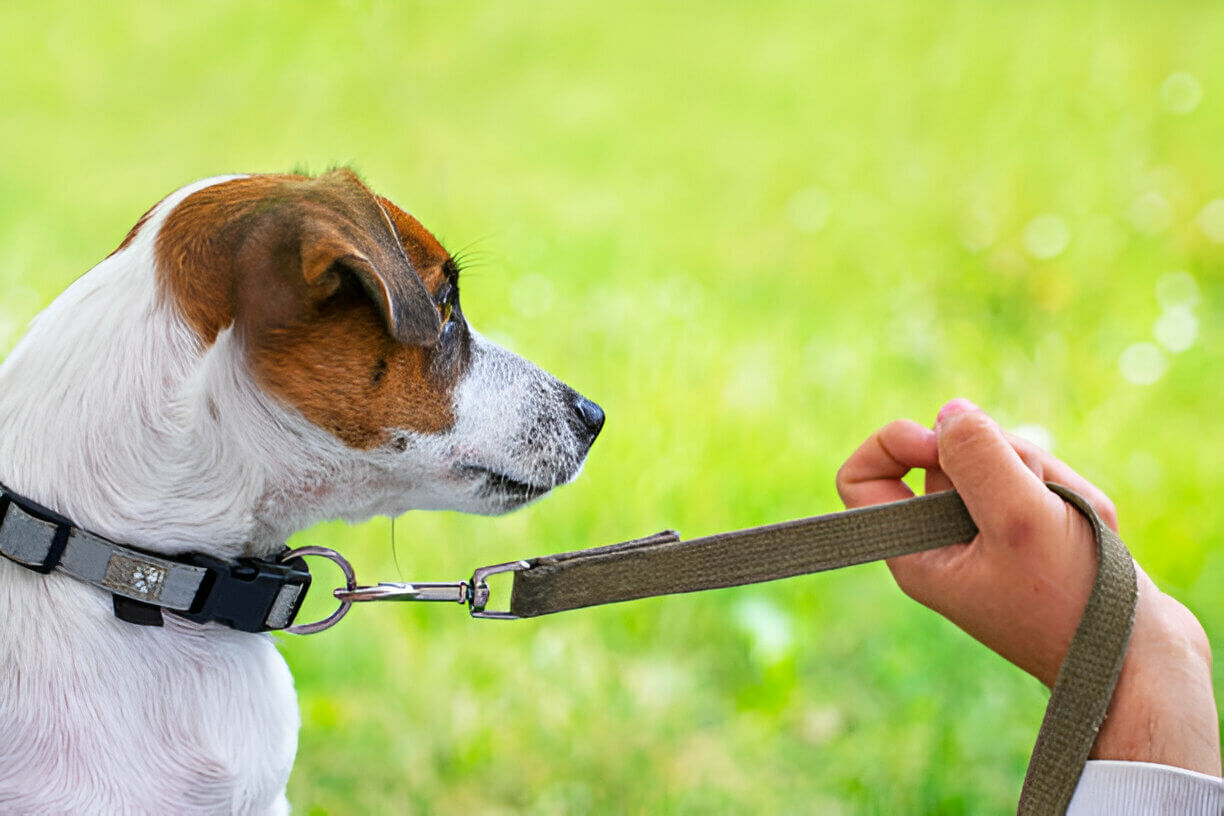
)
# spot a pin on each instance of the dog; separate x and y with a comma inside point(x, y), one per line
point(261, 353)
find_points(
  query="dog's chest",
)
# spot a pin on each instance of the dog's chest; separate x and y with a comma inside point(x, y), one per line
point(80, 689)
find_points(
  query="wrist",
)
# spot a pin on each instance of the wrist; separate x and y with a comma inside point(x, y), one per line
point(1163, 709)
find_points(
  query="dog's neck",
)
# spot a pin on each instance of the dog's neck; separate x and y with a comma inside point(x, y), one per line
point(151, 438)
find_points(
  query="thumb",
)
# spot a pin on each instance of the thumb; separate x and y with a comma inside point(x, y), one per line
point(1003, 496)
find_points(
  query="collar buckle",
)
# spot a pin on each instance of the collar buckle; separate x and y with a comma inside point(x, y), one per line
point(250, 595)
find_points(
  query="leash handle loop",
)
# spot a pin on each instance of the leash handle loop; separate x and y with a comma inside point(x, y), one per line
point(1089, 673)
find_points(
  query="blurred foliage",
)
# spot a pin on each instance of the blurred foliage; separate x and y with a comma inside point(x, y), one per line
point(753, 233)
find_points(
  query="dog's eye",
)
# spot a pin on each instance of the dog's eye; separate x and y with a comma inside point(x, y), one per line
point(446, 303)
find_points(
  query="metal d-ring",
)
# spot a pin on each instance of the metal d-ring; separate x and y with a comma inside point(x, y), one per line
point(350, 579)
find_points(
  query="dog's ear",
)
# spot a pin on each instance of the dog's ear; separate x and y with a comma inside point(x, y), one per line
point(264, 253)
point(353, 234)
point(385, 273)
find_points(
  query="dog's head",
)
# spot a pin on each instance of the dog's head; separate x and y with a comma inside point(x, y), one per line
point(346, 310)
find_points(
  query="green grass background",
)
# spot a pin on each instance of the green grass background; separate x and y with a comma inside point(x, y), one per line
point(753, 233)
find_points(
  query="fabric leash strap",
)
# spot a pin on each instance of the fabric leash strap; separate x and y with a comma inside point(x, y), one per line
point(663, 565)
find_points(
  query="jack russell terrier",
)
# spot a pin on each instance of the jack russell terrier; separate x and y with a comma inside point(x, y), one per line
point(259, 354)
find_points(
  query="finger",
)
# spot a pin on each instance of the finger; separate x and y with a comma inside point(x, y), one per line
point(936, 481)
point(872, 474)
point(1052, 469)
point(1002, 494)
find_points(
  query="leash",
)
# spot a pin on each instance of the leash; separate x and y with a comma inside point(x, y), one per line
point(662, 564)
point(258, 595)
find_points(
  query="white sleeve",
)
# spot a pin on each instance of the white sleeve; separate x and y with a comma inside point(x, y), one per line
point(1111, 788)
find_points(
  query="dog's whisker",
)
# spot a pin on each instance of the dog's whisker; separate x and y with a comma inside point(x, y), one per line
point(394, 552)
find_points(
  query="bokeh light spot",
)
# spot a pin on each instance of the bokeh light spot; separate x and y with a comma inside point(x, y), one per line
point(1176, 329)
point(1181, 93)
point(656, 683)
point(752, 383)
point(1039, 435)
point(1150, 212)
point(1177, 289)
point(809, 209)
point(1046, 236)
point(1211, 220)
point(767, 626)
point(819, 724)
point(1142, 364)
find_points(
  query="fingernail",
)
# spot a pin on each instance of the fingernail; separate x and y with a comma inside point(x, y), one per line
point(956, 406)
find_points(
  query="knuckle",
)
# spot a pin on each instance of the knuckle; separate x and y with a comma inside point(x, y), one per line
point(843, 481)
point(1017, 527)
point(965, 429)
point(896, 427)
point(1031, 459)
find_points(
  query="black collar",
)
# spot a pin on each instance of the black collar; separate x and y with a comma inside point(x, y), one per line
point(248, 594)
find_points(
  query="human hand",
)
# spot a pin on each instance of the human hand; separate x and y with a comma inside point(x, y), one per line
point(1021, 585)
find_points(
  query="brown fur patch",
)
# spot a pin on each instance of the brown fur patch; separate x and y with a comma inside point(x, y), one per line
point(273, 256)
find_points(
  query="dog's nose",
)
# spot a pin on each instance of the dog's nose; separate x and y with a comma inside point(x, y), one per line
point(590, 414)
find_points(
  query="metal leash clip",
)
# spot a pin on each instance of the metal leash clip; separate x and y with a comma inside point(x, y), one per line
point(479, 588)
point(474, 592)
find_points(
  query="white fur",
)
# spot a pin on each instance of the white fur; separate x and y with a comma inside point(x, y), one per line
point(115, 414)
